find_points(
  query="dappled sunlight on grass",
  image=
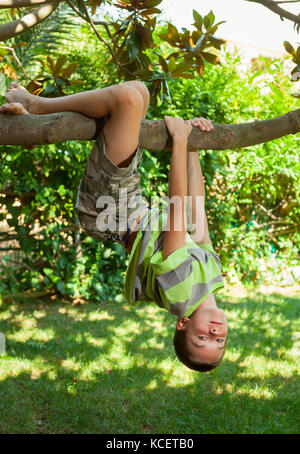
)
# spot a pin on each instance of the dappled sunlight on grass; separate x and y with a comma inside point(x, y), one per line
point(39, 314)
point(114, 368)
point(97, 315)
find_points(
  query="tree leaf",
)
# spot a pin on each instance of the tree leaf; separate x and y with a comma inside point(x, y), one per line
point(68, 71)
point(165, 37)
point(10, 71)
point(145, 36)
point(131, 46)
point(289, 48)
point(171, 64)
point(150, 3)
point(51, 63)
point(216, 42)
point(195, 36)
point(59, 64)
point(183, 75)
point(211, 58)
point(94, 4)
point(172, 32)
point(206, 22)
point(181, 67)
point(211, 17)
point(150, 11)
point(197, 18)
point(200, 41)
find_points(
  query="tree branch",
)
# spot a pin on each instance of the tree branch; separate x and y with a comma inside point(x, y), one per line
point(19, 26)
point(273, 6)
point(53, 128)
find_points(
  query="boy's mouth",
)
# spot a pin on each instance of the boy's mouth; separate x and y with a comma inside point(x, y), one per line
point(216, 323)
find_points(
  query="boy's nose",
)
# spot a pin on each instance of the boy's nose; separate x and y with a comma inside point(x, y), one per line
point(215, 330)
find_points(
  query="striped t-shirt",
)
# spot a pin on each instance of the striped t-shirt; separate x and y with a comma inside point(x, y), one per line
point(181, 281)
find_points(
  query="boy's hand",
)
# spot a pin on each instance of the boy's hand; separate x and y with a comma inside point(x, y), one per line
point(202, 123)
point(177, 127)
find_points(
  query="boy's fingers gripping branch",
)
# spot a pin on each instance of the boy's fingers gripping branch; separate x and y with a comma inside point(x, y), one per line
point(201, 123)
point(177, 126)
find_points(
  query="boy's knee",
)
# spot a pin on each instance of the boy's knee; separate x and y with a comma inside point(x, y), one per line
point(129, 96)
point(141, 88)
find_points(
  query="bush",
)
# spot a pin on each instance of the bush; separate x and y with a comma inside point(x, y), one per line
point(251, 193)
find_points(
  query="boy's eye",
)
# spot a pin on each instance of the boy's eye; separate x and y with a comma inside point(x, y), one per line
point(220, 340)
point(203, 338)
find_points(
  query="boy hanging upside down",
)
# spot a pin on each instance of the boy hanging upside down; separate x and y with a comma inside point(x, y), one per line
point(180, 271)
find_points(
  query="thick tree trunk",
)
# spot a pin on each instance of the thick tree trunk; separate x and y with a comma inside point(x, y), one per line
point(53, 128)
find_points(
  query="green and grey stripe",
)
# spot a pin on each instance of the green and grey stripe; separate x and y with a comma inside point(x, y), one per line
point(178, 288)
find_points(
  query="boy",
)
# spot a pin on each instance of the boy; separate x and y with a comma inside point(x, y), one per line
point(177, 270)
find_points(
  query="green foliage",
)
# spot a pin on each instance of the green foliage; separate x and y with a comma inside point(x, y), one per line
point(53, 256)
point(251, 193)
point(296, 59)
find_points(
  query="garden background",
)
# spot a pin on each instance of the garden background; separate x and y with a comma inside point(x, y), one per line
point(79, 360)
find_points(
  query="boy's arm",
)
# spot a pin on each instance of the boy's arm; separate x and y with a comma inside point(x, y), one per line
point(175, 239)
point(196, 190)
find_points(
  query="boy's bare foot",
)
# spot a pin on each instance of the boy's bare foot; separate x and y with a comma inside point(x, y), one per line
point(14, 108)
point(18, 94)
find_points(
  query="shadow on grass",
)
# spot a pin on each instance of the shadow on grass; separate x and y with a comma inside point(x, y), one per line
point(150, 393)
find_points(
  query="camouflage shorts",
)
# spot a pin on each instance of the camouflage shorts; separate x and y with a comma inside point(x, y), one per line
point(109, 198)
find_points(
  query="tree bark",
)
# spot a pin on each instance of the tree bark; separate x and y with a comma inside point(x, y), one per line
point(45, 129)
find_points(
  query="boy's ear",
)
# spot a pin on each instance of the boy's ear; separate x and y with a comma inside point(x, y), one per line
point(182, 323)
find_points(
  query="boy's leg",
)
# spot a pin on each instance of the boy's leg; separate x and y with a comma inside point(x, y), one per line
point(125, 105)
point(196, 200)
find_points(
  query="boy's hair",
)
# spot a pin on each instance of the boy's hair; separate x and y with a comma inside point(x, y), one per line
point(181, 350)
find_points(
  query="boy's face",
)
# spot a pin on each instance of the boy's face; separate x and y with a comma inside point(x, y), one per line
point(206, 333)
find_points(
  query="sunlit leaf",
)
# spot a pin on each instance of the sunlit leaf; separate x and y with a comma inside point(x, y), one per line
point(151, 3)
point(10, 71)
point(211, 58)
point(172, 32)
point(171, 64)
point(211, 17)
point(67, 72)
point(206, 22)
point(59, 64)
point(150, 11)
point(197, 17)
point(163, 63)
point(51, 63)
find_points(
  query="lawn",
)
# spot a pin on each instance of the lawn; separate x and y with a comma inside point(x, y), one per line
point(107, 368)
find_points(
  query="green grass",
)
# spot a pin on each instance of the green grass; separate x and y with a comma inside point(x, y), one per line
point(107, 368)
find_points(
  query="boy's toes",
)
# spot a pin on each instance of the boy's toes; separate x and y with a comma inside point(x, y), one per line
point(4, 107)
point(7, 96)
point(15, 108)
